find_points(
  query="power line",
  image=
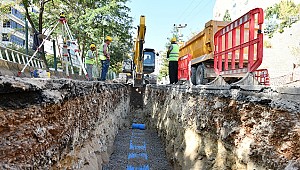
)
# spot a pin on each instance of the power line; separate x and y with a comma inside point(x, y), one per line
point(186, 9)
point(208, 2)
point(187, 19)
point(191, 12)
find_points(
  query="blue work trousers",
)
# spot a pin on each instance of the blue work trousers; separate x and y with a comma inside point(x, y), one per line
point(105, 65)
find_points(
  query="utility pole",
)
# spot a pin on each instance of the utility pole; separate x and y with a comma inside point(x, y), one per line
point(179, 34)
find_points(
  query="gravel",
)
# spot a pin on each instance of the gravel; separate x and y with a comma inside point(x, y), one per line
point(138, 149)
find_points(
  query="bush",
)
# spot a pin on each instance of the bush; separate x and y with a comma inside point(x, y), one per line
point(267, 44)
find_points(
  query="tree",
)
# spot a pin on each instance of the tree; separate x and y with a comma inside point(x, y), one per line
point(5, 7)
point(271, 11)
point(286, 9)
point(41, 5)
point(93, 23)
point(86, 20)
point(164, 70)
point(226, 16)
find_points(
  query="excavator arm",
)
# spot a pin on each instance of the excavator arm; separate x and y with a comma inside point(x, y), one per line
point(138, 53)
point(137, 66)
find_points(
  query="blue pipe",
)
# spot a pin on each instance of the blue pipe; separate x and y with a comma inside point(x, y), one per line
point(138, 126)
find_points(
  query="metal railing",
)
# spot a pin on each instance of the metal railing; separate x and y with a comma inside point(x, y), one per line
point(14, 56)
point(239, 45)
point(262, 76)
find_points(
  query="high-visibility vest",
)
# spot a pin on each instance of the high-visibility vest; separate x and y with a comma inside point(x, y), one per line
point(89, 60)
point(173, 56)
point(101, 54)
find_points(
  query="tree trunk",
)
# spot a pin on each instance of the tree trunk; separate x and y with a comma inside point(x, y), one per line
point(43, 56)
point(82, 49)
point(28, 16)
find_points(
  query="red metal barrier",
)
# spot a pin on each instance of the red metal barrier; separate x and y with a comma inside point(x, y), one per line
point(262, 76)
point(184, 67)
point(239, 45)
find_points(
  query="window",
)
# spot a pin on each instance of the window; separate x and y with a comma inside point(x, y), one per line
point(16, 40)
point(6, 24)
point(148, 59)
point(17, 13)
point(13, 24)
point(5, 37)
point(34, 11)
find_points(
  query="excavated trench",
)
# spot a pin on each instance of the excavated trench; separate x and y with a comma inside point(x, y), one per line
point(67, 124)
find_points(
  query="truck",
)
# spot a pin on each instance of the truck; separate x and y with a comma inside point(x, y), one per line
point(227, 50)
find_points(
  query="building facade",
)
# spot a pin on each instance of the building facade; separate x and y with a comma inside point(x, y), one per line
point(12, 28)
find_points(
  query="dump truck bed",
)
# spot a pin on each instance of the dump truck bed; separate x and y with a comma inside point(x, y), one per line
point(201, 45)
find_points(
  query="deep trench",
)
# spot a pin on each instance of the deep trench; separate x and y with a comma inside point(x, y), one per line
point(138, 148)
point(63, 124)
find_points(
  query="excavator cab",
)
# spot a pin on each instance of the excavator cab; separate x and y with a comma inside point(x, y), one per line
point(149, 60)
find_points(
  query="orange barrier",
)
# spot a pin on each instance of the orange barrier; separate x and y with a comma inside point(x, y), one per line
point(262, 76)
point(238, 47)
point(184, 67)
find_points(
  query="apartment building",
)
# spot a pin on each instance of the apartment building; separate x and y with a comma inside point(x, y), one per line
point(12, 28)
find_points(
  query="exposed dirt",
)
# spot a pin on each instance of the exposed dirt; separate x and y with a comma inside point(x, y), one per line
point(46, 123)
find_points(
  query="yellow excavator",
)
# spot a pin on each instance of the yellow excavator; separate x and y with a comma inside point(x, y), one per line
point(143, 59)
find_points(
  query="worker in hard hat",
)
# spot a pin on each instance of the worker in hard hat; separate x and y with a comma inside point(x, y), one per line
point(172, 55)
point(104, 56)
point(90, 61)
point(62, 15)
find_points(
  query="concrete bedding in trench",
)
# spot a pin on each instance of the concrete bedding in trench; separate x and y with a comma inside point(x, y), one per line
point(138, 149)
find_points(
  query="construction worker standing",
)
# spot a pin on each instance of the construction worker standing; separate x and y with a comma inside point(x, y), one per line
point(172, 54)
point(90, 61)
point(105, 57)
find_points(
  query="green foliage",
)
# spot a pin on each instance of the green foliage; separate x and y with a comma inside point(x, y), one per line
point(164, 71)
point(226, 16)
point(267, 44)
point(50, 60)
point(271, 11)
point(5, 7)
point(20, 49)
point(89, 20)
point(284, 11)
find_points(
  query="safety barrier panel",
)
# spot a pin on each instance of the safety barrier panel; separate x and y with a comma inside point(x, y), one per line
point(11, 55)
point(262, 76)
point(184, 67)
point(238, 47)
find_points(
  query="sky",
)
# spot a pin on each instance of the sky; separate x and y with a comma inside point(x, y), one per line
point(161, 15)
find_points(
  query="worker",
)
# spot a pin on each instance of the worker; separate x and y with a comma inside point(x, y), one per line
point(104, 56)
point(172, 54)
point(148, 60)
point(90, 61)
point(62, 15)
